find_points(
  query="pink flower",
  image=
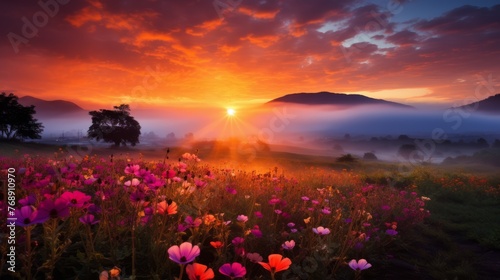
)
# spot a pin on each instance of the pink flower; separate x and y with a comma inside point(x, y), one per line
point(288, 245)
point(183, 254)
point(256, 231)
point(321, 230)
point(362, 264)
point(242, 218)
point(234, 270)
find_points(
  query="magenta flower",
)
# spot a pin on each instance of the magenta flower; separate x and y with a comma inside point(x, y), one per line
point(258, 214)
point(231, 190)
point(256, 231)
point(183, 254)
point(88, 219)
point(362, 264)
point(76, 198)
point(391, 232)
point(237, 241)
point(234, 270)
point(53, 209)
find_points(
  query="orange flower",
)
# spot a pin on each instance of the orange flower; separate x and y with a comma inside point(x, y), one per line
point(198, 271)
point(276, 263)
point(167, 207)
point(216, 244)
point(114, 272)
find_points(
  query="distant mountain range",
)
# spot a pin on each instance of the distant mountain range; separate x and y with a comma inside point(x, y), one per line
point(55, 108)
point(490, 105)
point(330, 98)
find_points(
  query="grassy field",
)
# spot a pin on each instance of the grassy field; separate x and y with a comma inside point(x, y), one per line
point(459, 240)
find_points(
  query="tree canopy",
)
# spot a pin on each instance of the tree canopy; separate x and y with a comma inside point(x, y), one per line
point(17, 121)
point(114, 126)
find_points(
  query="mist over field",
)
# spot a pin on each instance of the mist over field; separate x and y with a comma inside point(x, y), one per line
point(315, 130)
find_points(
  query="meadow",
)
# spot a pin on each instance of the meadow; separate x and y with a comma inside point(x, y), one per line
point(199, 214)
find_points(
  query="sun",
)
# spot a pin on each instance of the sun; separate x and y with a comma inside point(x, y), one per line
point(230, 112)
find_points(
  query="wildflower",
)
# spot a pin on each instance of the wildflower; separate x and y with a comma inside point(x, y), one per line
point(321, 230)
point(242, 218)
point(362, 264)
point(256, 231)
point(391, 232)
point(288, 245)
point(26, 216)
point(307, 220)
point(169, 207)
point(326, 211)
point(237, 241)
point(216, 244)
point(132, 169)
point(276, 263)
point(258, 214)
point(198, 271)
point(200, 184)
point(135, 182)
point(49, 208)
point(28, 200)
point(254, 257)
point(88, 219)
point(231, 190)
point(115, 272)
point(192, 223)
point(234, 270)
point(208, 219)
point(183, 254)
point(305, 198)
point(76, 199)
point(291, 225)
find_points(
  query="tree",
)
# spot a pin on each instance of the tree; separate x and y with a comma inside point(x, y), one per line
point(114, 126)
point(17, 121)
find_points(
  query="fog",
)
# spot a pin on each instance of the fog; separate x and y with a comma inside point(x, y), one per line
point(321, 130)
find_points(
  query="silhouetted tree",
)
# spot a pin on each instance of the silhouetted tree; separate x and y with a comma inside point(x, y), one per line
point(114, 126)
point(17, 121)
point(369, 156)
point(346, 158)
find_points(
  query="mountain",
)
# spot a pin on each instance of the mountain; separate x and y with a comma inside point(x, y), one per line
point(330, 98)
point(490, 105)
point(55, 108)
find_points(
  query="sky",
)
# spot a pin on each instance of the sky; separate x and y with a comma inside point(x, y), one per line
point(236, 53)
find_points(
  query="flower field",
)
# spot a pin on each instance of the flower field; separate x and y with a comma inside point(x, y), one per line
point(107, 218)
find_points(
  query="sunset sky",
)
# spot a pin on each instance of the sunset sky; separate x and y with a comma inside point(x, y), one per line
point(245, 52)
